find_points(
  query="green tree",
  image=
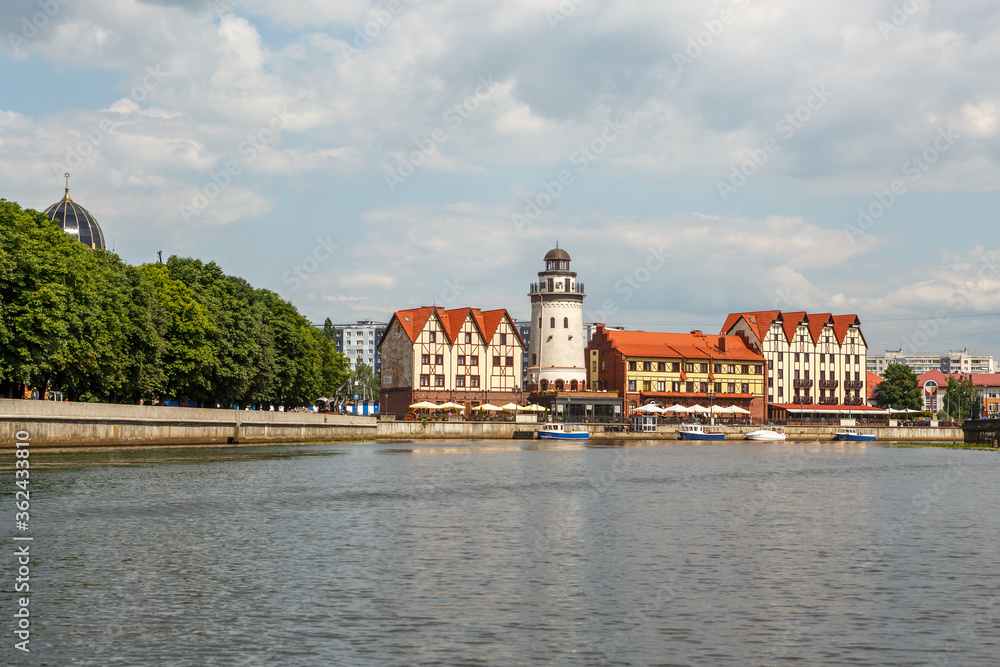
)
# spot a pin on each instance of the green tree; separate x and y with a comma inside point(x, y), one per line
point(899, 389)
point(961, 398)
point(329, 330)
point(365, 377)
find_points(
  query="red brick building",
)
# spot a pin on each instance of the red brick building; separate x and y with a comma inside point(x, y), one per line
point(669, 368)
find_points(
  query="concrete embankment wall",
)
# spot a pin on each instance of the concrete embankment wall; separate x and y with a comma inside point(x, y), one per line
point(52, 424)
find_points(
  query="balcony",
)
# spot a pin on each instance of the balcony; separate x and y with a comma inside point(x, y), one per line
point(854, 384)
point(828, 400)
point(829, 384)
point(557, 288)
point(851, 400)
point(802, 384)
point(802, 400)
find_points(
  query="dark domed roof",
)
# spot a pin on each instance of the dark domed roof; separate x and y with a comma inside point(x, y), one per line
point(556, 253)
point(76, 221)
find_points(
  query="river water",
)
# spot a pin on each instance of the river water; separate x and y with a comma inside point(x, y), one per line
point(517, 553)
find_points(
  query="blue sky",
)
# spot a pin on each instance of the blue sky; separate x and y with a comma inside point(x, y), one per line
point(695, 159)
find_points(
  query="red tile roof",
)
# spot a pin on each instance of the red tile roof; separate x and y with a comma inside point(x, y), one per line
point(978, 379)
point(873, 380)
point(760, 322)
point(413, 321)
point(683, 346)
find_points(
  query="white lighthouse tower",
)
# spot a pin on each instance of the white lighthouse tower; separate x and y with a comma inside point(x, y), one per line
point(556, 357)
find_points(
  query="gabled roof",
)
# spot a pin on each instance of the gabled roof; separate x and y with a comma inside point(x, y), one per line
point(790, 323)
point(758, 321)
point(872, 380)
point(414, 320)
point(841, 325)
point(682, 346)
point(817, 323)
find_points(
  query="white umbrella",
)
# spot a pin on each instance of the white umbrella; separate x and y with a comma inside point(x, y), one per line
point(488, 406)
point(677, 408)
point(425, 405)
point(534, 408)
point(737, 410)
point(511, 407)
point(697, 408)
point(718, 409)
point(650, 408)
point(451, 406)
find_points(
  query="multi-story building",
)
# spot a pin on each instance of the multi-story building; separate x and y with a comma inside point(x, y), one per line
point(956, 361)
point(670, 368)
point(463, 355)
point(556, 360)
point(816, 360)
point(934, 388)
point(359, 342)
point(524, 328)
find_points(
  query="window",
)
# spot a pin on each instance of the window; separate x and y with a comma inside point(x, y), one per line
point(806, 357)
point(509, 361)
point(770, 382)
point(474, 360)
point(647, 365)
point(781, 373)
point(549, 283)
point(460, 381)
point(702, 368)
point(717, 388)
point(746, 369)
point(703, 387)
point(432, 336)
point(806, 377)
point(757, 369)
point(602, 364)
point(567, 285)
point(857, 358)
point(425, 358)
point(503, 339)
point(822, 358)
point(796, 376)
point(822, 376)
point(631, 365)
point(631, 385)
point(545, 385)
point(731, 387)
point(796, 356)
point(745, 388)
point(781, 392)
point(534, 360)
point(662, 367)
point(857, 377)
point(833, 376)
point(438, 359)
point(781, 356)
point(425, 380)
point(661, 385)
point(593, 366)
point(552, 323)
point(675, 386)
point(473, 380)
point(468, 337)
point(438, 380)
point(461, 360)
point(689, 367)
point(676, 367)
point(496, 361)
point(647, 385)
point(718, 368)
point(690, 387)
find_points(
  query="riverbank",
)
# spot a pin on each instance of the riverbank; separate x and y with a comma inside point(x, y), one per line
point(51, 424)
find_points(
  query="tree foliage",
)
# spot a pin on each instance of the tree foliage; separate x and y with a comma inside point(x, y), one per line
point(83, 322)
point(961, 398)
point(899, 389)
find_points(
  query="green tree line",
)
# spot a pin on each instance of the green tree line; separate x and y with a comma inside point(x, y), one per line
point(84, 322)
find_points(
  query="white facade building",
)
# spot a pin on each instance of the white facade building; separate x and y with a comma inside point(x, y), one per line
point(556, 345)
point(359, 342)
point(956, 361)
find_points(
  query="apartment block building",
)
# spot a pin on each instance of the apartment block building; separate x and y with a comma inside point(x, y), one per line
point(956, 361)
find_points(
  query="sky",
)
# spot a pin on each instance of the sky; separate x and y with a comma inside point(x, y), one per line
point(694, 158)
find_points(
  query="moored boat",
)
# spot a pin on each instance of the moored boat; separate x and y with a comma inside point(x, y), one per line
point(699, 432)
point(556, 431)
point(855, 434)
point(773, 434)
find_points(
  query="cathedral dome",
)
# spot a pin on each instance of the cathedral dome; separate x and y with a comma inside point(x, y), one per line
point(76, 221)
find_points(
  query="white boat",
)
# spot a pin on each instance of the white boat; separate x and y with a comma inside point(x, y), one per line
point(556, 431)
point(856, 434)
point(772, 434)
point(699, 432)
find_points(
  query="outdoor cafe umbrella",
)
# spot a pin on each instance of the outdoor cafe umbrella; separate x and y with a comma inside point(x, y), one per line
point(650, 408)
point(737, 410)
point(511, 406)
point(718, 409)
point(425, 405)
point(534, 407)
point(451, 406)
point(698, 408)
point(487, 406)
point(677, 407)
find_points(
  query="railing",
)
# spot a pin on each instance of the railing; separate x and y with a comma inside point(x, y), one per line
point(802, 384)
point(854, 384)
point(802, 400)
point(850, 400)
point(828, 400)
point(535, 288)
point(829, 384)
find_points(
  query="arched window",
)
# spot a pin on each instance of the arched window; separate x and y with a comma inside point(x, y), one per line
point(552, 323)
point(534, 360)
point(573, 385)
point(565, 323)
point(545, 385)
point(560, 385)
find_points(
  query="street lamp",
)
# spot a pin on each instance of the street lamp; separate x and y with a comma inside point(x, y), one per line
point(711, 408)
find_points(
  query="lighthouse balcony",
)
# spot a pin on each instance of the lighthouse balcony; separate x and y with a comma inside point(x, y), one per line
point(557, 287)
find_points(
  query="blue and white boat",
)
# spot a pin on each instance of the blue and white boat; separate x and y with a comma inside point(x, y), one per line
point(699, 432)
point(554, 431)
point(855, 434)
